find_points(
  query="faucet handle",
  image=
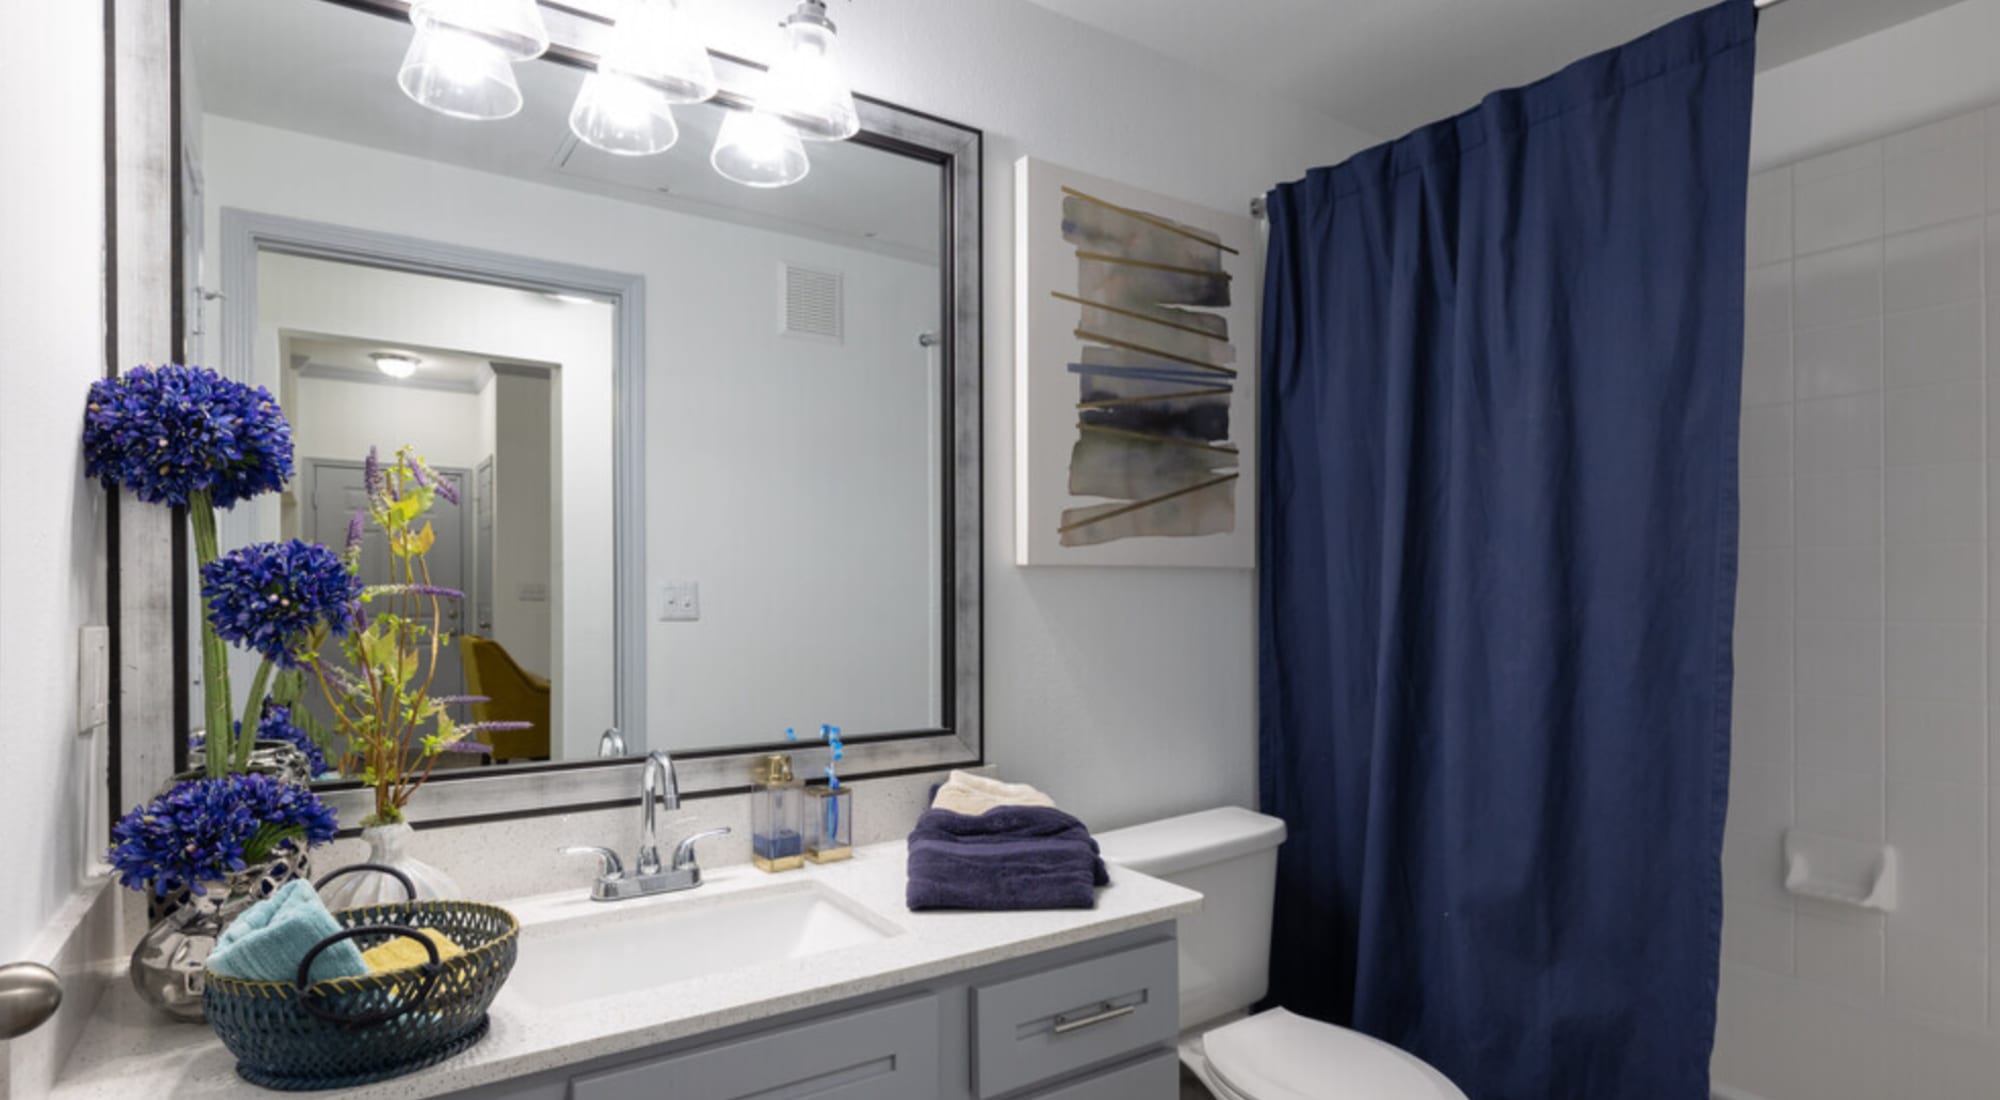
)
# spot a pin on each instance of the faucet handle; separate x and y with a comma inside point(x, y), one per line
point(684, 853)
point(611, 867)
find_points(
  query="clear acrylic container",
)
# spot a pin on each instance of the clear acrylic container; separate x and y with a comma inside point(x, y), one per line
point(829, 824)
point(776, 806)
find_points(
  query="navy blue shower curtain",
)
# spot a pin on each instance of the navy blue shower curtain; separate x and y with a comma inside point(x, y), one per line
point(1498, 532)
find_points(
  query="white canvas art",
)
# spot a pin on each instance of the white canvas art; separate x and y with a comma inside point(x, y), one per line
point(1135, 376)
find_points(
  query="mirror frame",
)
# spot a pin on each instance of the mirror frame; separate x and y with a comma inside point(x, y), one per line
point(158, 575)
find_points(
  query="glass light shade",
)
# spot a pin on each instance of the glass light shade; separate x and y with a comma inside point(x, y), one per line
point(758, 149)
point(623, 115)
point(805, 84)
point(460, 75)
point(514, 27)
point(660, 42)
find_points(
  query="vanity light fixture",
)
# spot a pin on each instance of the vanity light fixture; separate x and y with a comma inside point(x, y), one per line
point(460, 62)
point(657, 58)
point(395, 364)
point(758, 149)
point(805, 84)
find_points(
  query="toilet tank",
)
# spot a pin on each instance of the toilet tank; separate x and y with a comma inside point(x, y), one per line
point(1230, 857)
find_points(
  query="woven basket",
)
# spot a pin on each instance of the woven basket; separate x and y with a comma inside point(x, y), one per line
point(343, 1032)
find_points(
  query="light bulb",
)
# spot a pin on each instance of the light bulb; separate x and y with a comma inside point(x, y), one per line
point(514, 27)
point(459, 74)
point(805, 84)
point(660, 43)
point(620, 114)
point(758, 149)
point(395, 365)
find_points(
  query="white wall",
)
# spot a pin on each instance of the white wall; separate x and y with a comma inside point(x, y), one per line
point(524, 491)
point(1866, 659)
point(51, 520)
point(340, 419)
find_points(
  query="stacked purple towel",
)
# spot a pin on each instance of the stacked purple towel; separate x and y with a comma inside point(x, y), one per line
point(1010, 857)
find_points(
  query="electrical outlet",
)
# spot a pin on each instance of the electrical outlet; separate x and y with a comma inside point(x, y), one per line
point(680, 602)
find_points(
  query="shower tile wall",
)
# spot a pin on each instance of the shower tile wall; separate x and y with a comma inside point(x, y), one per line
point(1869, 595)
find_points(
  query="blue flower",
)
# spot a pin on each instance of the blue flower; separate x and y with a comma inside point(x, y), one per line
point(270, 596)
point(206, 829)
point(166, 433)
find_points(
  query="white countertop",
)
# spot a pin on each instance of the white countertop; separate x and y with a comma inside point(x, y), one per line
point(128, 1050)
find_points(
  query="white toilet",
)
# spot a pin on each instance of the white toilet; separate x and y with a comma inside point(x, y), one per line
point(1230, 856)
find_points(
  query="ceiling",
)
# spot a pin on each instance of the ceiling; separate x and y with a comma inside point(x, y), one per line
point(348, 360)
point(323, 69)
point(1389, 66)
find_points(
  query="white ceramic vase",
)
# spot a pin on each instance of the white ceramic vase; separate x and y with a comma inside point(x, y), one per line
point(388, 845)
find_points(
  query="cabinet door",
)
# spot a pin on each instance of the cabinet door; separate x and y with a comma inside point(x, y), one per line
point(1073, 1017)
point(889, 1052)
point(1156, 1078)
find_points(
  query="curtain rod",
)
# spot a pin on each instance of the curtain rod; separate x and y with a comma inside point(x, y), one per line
point(1257, 204)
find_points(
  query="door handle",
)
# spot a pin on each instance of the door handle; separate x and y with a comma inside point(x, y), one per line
point(30, 993)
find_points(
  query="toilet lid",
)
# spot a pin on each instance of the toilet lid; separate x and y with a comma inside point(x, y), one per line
point(1278, 1056)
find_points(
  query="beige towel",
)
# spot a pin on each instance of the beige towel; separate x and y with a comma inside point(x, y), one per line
point(965, 793)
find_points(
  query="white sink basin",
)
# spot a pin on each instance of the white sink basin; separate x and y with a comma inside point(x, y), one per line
point(644, 944)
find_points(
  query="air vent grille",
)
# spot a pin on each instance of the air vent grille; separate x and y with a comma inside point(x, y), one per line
point(812, 303)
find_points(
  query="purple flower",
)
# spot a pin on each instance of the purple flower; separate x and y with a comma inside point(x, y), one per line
point(356, 527)
point(270, 596)
point(165, 433)
point(206, 829)
point(371, 474)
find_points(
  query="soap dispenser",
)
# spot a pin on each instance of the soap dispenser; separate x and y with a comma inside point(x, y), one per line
point(776, 815)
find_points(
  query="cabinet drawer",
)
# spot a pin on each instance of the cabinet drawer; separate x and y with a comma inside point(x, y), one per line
point(885, 1053)
point(1156, 1078)
point(1058, 1021)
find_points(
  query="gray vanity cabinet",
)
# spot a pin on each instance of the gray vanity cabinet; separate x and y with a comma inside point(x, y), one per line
point(1093, 1021)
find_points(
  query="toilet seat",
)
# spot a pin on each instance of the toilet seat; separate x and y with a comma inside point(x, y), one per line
point(1276, 1055)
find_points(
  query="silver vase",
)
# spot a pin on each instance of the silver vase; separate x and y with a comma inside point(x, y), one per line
point(168, 963)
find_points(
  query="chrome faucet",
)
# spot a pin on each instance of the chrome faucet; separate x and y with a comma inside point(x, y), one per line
point(658, 785)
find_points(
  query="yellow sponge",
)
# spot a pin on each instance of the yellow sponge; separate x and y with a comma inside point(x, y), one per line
point(402, 952)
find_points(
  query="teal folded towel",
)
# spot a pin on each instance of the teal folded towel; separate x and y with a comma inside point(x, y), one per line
point(269, 941)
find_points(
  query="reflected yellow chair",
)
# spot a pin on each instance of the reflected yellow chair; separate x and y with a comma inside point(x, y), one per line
point(517, 696)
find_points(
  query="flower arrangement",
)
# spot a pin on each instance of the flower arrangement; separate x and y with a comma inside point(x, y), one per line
point(381, 699)
point(187, 437)
point(204, 830)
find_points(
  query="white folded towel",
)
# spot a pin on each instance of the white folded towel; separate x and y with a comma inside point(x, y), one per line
point(965, 793)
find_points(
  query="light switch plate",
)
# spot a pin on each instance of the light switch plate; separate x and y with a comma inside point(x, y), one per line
point(680, 602)
point(93, 679)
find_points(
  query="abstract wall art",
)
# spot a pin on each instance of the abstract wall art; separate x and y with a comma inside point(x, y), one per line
point(1135, 376)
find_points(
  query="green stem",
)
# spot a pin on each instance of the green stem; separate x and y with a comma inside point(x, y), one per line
point(214, 654)
point(253, 713)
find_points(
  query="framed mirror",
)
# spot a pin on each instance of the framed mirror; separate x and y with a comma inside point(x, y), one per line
point(715, 447)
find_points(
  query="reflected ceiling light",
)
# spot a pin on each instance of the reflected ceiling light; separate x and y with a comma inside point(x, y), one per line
point(656, 58)
point(621, 114)
point(460, 63)
point(395, 364)
point(806, 85)
point(758, 149)
point(460, 75)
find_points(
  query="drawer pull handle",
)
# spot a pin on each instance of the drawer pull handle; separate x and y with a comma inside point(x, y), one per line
point(1104, 1014)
